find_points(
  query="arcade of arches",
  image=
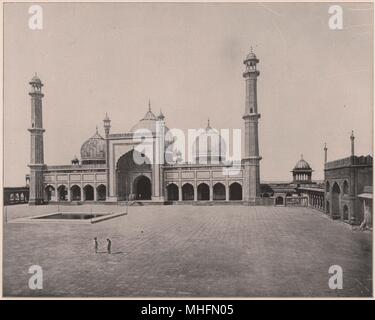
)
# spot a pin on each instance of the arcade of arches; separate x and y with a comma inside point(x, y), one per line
point(76, 193)
point(203, 192)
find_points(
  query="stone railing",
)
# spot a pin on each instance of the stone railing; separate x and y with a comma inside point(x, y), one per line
point(296, 201)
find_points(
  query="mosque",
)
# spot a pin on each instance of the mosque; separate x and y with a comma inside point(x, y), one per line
point(107, 170)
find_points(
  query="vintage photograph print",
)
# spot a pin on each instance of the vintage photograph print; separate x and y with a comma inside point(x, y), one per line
point(188, 150)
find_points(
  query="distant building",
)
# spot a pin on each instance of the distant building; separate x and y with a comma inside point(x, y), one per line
point(289, 193)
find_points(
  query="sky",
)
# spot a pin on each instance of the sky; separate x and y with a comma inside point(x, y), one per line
point(315, 84)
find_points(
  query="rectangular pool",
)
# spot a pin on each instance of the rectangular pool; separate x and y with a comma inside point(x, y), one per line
point(72, 216)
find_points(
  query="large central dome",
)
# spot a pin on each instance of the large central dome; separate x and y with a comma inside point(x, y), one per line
point(148, 122)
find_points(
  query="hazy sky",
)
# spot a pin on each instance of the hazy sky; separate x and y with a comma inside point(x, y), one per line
point(315, 84)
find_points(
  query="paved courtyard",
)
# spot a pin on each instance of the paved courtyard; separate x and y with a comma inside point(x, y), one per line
point(187, 251)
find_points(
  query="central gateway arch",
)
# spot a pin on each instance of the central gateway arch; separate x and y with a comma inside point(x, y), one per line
point(134, 181)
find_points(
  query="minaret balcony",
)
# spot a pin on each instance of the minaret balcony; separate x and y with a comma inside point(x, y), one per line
point(36, 130)
point(251, 116)
point(251, 73)
point(36, 94)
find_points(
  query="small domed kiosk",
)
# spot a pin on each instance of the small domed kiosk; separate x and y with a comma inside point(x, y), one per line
point(302, 172)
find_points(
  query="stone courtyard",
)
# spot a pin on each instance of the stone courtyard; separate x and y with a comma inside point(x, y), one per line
point(186, 251)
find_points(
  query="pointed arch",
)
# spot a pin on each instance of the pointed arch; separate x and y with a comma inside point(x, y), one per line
point(142, 187)
point(75, 193)
point(62, 193)
point(336, 199)
point(187, 192)
point(235, 191)
point(172, 192)
point(101, 192)
point(203, 191)
point(219, 191)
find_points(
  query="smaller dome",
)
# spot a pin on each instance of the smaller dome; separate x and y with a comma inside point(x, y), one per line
point(93, 150)
point(209, 146)
point(302, 165)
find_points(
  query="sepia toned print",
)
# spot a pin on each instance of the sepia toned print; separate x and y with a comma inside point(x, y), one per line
point(188, 150)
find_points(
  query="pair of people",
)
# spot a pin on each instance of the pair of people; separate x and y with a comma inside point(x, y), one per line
point(96, 245)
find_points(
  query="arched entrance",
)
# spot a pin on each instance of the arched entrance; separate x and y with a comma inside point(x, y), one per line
point(336, 200)
point(101, 192)
point(142, 188)
point(50, 192)
point(187, 192)
point(88, 193)
point(75, 193)
point(279, 201)
point(219, 191)
point(172, 192)
point(127, 169)
point(235, 191)
point(203, 192)
point(62, 193)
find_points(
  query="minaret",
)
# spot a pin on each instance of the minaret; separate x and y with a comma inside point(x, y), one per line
point(251, 161)
point(107, 125)
point(107, 128)
point(352, 143)
point(37, 153)
point(157, 165)
point(325, 152)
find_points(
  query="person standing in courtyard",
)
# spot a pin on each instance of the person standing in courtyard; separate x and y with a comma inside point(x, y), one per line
point(109, 243)
point(96, 245)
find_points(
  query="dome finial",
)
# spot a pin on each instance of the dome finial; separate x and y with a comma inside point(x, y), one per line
point(301, 156)
point(149, 104)
point(97, 129)
point(161, 115)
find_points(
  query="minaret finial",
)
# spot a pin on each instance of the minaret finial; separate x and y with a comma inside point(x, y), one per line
point(149, 104)
point(208, 123)
point(301, 156)
point(96, 128)
point(325, 152)
point(352, 142)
